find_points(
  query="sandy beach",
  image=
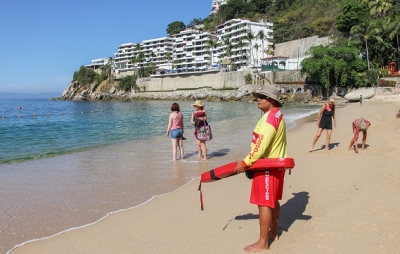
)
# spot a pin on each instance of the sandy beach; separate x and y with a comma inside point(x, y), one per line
point(333, 202)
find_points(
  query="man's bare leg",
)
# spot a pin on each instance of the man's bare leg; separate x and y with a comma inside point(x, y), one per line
point(265, 219)
point(273, 232)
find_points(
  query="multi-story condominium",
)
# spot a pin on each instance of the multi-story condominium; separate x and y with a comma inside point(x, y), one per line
point(192, 50)
point(240, 41)
point(157, 51)
point(236, 40)
point(123, 58)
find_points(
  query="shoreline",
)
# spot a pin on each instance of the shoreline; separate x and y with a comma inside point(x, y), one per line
point(221, 208)
point(73, 158)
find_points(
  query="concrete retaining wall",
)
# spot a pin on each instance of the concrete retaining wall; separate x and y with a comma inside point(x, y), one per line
point(195, 80)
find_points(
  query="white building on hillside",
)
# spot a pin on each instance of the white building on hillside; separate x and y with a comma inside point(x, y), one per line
point(157, 51)
point(239, 41)
point(191, 50)
point(122, 59)
point(98, 63)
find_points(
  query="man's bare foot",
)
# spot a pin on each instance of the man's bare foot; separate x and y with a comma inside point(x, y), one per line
point(256, 247)
point(311, 149)
point(199, 156)
point(204, 158)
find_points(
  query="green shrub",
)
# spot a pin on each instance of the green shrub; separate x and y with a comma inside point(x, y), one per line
point(126, 83)
point(248, 79)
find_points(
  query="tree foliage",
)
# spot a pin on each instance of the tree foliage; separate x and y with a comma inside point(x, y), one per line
point(127, 83)
point(352, 13)
point(175, 27)
point(236, 9)
point(334, 66)
point(195, 22)
point(85, 76)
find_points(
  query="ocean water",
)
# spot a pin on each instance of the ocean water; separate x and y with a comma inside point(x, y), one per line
point(40, 128)
point(66, 164)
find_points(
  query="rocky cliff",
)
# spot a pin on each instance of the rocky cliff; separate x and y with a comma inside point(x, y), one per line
point(216, 86)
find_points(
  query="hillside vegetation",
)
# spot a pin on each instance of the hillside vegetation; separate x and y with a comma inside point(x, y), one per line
point(293, 19)
point(364, 33)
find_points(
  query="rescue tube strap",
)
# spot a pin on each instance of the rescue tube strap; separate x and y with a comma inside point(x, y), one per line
point(212, 175)
point(201, 198)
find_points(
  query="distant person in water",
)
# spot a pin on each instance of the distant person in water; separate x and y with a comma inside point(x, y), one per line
point(325, 116)
point(358, 125)
point(175, 130)
point(361, 100)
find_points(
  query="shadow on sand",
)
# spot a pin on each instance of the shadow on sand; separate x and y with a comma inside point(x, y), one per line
point(291, 211)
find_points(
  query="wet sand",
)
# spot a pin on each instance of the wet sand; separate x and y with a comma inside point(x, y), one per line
point(41, 198)
point(334, 202)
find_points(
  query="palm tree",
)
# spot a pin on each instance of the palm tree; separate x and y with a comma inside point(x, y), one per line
point(240, 45)
point(211, 44)
point(168, 56)
point(153, 55)
point(393, 25)
point(366, 31)
point(261, 35)
point(133, 60)
point(175, 63)
point(250, 37)
point(256, 47)
point(110, 67)
point(378, 8)
point(227, 42)
point(269, 51)
point(138, 51)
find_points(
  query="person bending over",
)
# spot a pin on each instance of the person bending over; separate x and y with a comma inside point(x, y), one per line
point(358, 125)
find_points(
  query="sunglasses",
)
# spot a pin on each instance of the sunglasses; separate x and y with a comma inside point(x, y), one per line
point(262, 96)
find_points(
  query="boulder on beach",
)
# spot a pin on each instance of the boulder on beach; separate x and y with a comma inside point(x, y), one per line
point(355, 95)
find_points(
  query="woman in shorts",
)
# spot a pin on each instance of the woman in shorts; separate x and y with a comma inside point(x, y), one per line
point(175, 130)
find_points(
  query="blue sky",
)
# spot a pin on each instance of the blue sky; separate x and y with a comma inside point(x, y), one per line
point(42, 43)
